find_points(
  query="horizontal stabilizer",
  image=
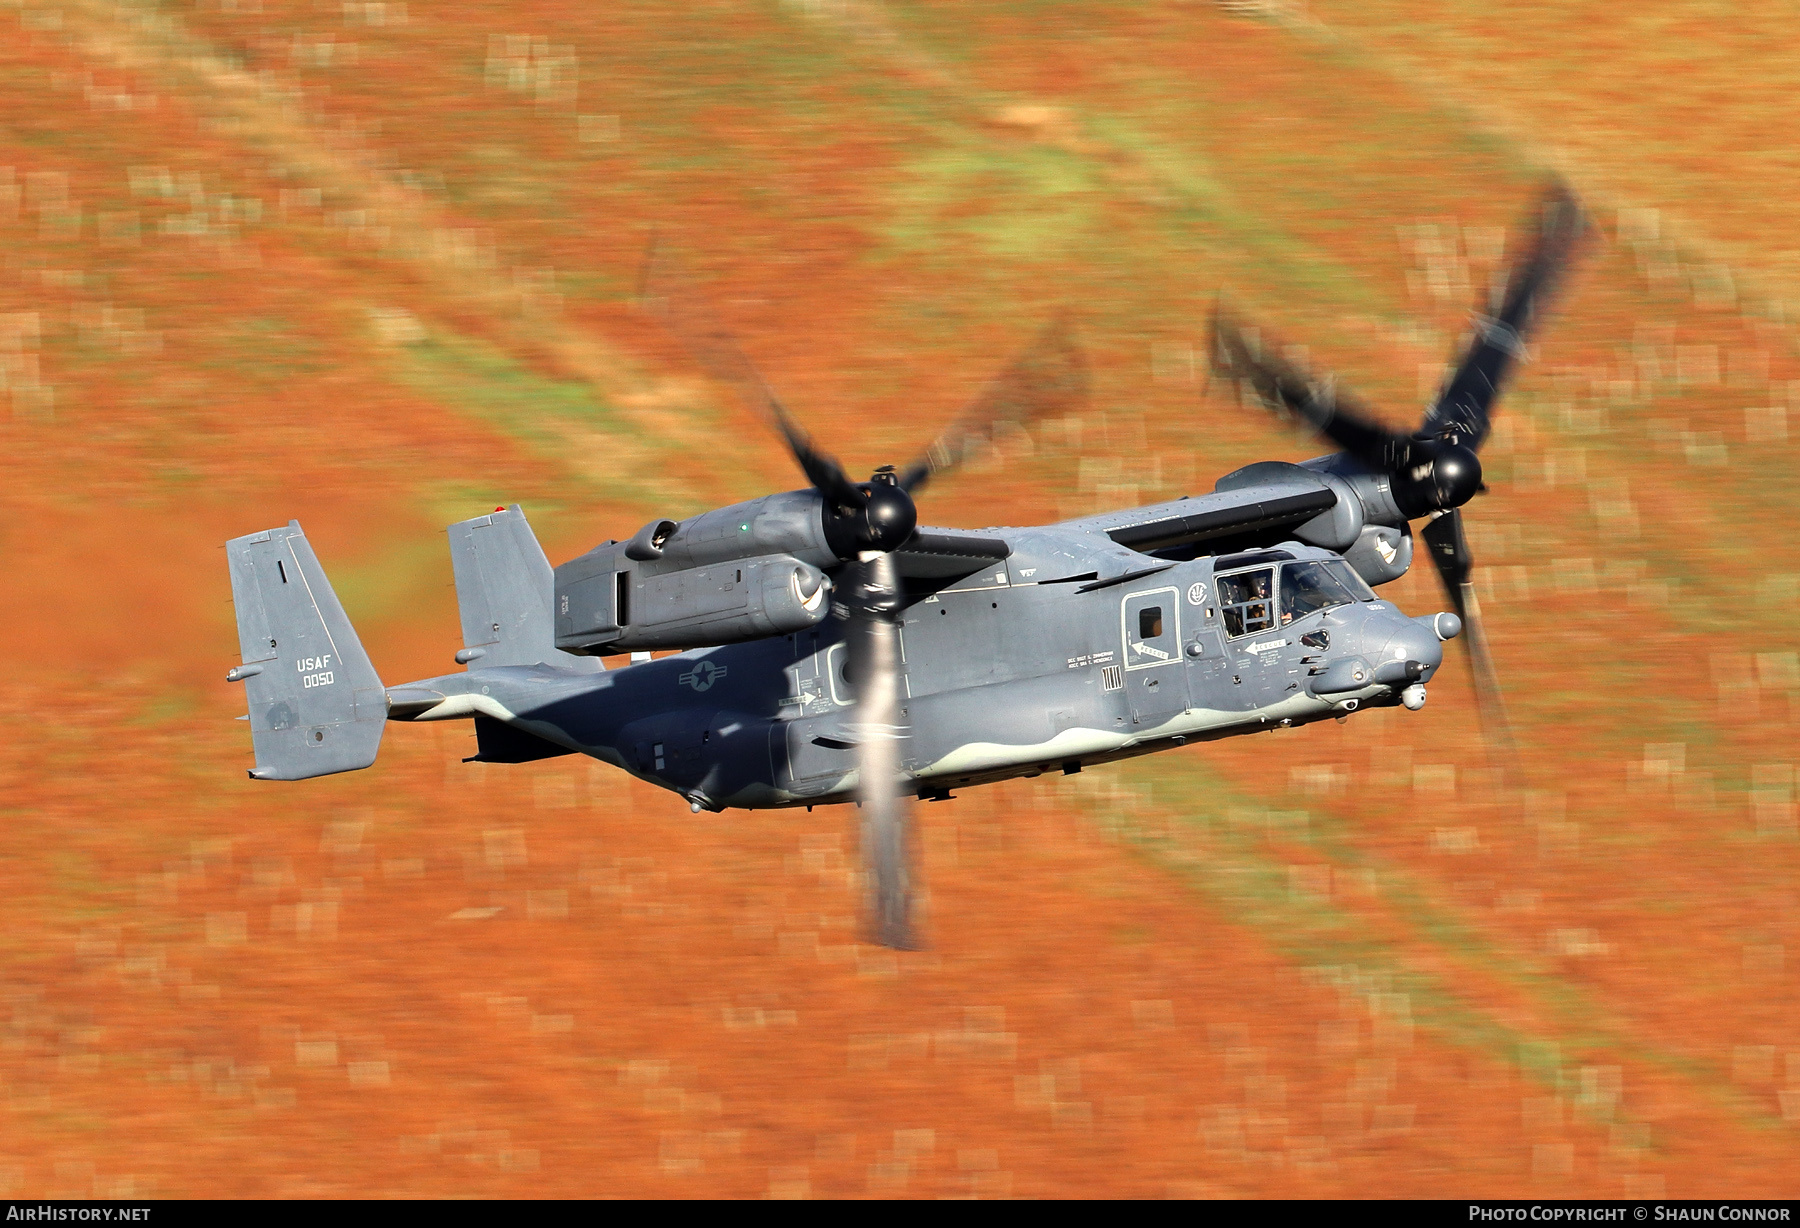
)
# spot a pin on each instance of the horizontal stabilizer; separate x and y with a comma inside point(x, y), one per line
point(316, 704)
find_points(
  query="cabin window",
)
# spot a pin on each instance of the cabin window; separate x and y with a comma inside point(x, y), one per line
point(1150, 623)
point(1247, 601)
point(1307, 588)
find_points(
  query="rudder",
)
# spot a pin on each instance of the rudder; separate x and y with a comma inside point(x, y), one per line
point(316, 704)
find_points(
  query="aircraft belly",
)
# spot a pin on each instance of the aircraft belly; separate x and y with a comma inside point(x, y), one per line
point(1079, 741)
point(1027, 712)
point(1198, 722)
point(520, 703)
point(1073, 743)
point(709, 751)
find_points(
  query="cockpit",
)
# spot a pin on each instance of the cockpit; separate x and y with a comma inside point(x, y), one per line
point(1262, 598)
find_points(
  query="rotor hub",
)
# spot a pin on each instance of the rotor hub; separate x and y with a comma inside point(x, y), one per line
point(887, 518)
point(874, 517)
point(1441, 475)
point(1456, 475)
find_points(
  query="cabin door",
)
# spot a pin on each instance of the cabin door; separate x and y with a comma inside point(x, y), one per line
point(1155, 682)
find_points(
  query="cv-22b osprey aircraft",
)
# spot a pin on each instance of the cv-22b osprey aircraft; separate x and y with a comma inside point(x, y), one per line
point(830, 649)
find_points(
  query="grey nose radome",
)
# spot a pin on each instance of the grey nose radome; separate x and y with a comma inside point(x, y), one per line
point(1413, 651)
point(1445, 626)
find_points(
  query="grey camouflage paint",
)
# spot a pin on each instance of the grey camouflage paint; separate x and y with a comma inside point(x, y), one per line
point(1014, 666)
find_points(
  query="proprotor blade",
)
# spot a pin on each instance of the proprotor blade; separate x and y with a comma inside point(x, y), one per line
point(1049, 378)
point(1282, 385)
point(882, 730)
point(688, 315)
point(1449, 550)
point(1462, 408)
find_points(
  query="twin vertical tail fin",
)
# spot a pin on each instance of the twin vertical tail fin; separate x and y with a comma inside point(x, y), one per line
point(503, 587)
point(316, 704)
point(504, 590)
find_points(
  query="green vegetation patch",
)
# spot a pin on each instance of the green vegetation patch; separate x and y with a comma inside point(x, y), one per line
point(1021, 202)
point(387, 585)
point(266, 350)
point(564, 420)
point(168, 707)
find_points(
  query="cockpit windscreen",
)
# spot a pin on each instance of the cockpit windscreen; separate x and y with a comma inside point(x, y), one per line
point(1307, 588)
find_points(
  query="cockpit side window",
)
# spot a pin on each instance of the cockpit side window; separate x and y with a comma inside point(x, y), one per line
point(1247, 601)
point(1307, 588)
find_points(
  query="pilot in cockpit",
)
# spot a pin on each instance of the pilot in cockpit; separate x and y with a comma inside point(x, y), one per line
point(1259, 585)
point(1307, 587)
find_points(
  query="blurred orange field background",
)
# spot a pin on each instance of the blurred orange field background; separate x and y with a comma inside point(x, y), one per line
point(373, 265)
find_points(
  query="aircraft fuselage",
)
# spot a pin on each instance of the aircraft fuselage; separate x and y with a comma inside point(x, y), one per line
point(1070, 652)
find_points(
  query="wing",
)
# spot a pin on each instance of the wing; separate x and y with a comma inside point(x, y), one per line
point(1296, 497)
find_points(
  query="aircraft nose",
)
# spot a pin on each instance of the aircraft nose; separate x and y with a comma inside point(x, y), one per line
point(1412, 654)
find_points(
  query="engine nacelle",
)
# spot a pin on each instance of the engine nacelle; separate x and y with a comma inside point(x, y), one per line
point(624, 610)
point(737, 573)
point(1374, 491)
point(787, 523)
point(1375, 538)
point(726, 603)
